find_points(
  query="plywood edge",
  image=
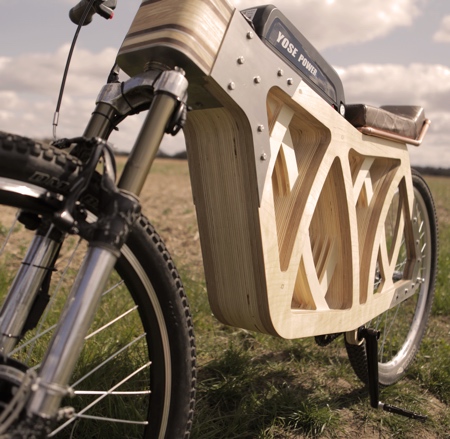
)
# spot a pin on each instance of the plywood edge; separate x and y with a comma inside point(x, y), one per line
point(226, 199)
point(187, 34)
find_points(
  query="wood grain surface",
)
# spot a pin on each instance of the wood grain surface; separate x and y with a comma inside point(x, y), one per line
point(185, 33)
point(292, 250)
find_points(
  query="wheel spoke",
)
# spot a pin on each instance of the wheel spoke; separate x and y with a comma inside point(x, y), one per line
point(119, 421)
point(107, 325)
point(96, 401)
point(108, 360)
point(104, 392)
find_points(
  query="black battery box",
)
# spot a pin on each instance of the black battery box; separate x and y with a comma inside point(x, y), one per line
point(278, 33)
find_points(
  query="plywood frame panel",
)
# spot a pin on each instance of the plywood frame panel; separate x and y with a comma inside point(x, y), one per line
point(345, 218)
point(292, 201)
point(310, 230)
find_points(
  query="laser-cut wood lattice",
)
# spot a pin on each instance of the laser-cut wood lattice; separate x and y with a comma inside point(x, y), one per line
point(301, 217)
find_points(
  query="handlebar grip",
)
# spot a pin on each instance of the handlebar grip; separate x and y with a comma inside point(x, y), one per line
point(76, 13)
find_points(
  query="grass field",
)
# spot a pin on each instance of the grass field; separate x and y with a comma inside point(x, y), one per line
point(254, 386)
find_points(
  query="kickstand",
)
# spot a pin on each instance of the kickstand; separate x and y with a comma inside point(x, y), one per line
point(371, 337)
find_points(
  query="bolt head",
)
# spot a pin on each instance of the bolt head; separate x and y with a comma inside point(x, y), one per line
point(241, 60)
point(290, 81)
point(250, 35)
point(180, 70)
point(257, 79)
point(231, 86)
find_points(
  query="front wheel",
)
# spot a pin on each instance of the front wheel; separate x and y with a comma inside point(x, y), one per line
point(403, 326)
point(135, 377)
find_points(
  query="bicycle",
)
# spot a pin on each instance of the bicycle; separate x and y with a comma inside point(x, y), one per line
point(333, 233)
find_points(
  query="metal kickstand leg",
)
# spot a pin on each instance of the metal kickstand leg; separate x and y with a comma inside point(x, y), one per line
point(371, 337)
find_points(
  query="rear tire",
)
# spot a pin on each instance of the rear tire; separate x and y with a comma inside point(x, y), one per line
point(403, 327)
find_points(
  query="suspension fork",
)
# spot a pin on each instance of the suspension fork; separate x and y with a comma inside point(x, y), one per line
point(104, 250)
point(22, 295)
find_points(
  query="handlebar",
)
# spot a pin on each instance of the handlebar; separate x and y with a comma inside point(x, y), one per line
point(104, 8)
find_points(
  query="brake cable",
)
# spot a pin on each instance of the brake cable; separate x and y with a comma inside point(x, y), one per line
point(87, 14)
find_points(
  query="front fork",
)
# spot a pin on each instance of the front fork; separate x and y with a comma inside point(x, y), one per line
point(169, 90)
point(23, 293)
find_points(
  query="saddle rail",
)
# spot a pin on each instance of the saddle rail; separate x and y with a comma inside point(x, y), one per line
point(399, 123)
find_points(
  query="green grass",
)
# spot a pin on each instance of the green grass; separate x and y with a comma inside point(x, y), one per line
point(252, 386)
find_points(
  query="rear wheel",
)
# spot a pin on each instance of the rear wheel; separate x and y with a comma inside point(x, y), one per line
point(403, 326)
point(136, 374)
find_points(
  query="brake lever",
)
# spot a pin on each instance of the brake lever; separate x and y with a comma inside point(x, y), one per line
point(104, 8)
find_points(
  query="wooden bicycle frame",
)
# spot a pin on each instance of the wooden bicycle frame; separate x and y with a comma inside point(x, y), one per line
point(291, 199)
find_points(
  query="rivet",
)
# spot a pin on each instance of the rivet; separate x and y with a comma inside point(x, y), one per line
point(260, 128)
point(414, 220)
point(231, 86)
point(241, 60)
point(250, 35)
point(280, 72)
point(257, 79)
point(290, 81)
point(264, 157)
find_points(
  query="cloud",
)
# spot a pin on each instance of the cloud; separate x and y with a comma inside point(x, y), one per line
point(29, 89)
point(421, 84)
point(30, 83)
point(334, 23)
point(416, 84)
point(42, 72)
point(443, 33)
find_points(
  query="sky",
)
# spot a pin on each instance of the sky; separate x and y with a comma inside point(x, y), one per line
point(386, 52)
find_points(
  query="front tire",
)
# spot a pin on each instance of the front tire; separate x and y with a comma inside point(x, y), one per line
point(136, 374)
